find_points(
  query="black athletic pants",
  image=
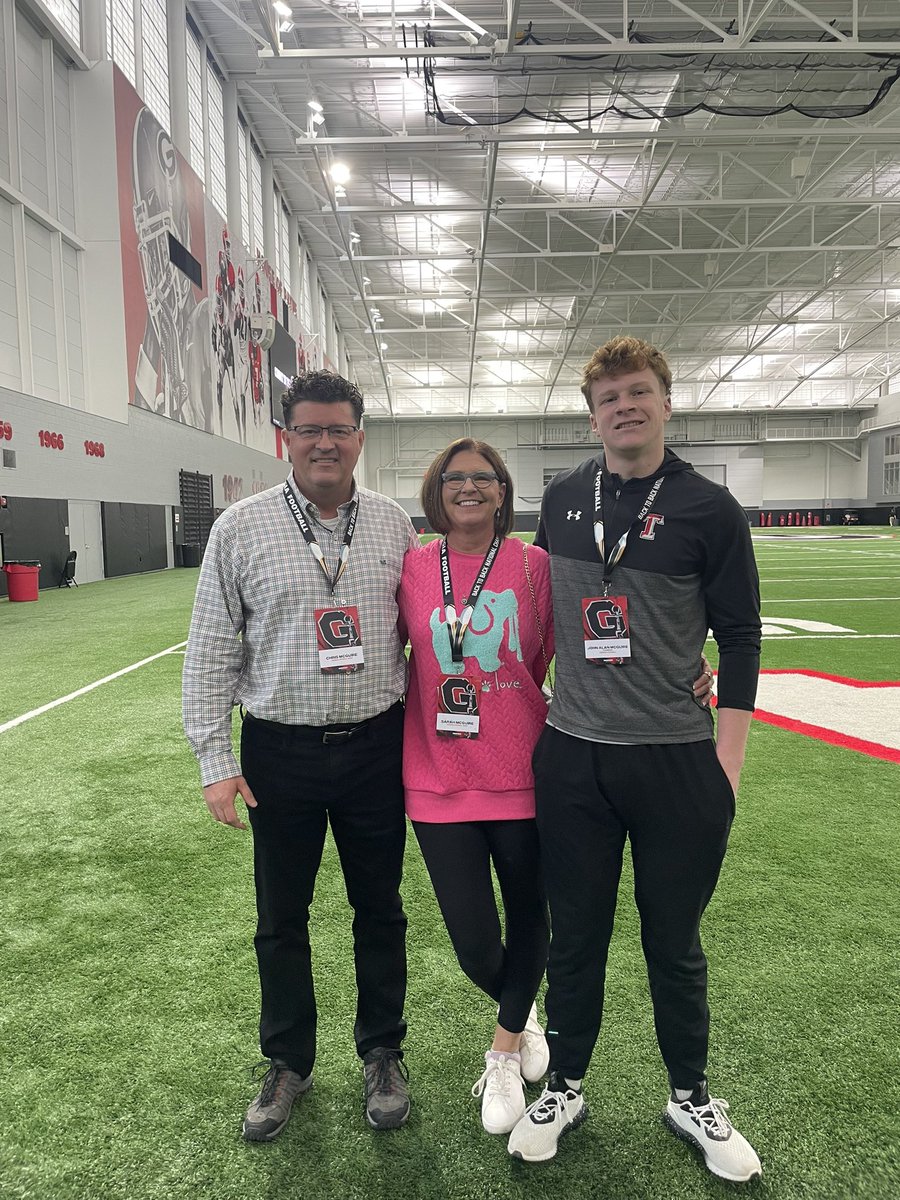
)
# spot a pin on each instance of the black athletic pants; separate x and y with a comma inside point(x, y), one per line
point(302, 784)
point(458, 856)
point(676, 805)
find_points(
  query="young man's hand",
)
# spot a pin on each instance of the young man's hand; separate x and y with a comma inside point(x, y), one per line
point(703, 684)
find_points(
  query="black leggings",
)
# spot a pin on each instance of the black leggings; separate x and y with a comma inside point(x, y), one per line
point(458, 857)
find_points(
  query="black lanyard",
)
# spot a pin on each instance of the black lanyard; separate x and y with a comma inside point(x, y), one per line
point(609, 564)
point(457, 625)
point(297, 513)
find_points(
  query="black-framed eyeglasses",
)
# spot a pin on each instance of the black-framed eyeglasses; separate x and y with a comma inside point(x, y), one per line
point(456, 480)
point(312, 433)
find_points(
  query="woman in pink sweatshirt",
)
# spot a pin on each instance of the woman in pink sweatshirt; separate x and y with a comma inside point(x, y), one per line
point(476, 605)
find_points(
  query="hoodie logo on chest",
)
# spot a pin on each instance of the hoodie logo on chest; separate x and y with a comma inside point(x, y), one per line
point(573, 515)
point(648, 533)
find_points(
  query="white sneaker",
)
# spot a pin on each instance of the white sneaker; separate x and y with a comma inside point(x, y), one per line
point(502, 1094)
point(533, 1049)
point(554, 1113)
point(702, 1122)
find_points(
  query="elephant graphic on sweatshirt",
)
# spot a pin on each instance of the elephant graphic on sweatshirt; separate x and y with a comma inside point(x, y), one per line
point(495, 620)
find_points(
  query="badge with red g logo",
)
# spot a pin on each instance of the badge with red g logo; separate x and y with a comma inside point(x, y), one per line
point(605, 626)
point(339, 639)
point(457, 706)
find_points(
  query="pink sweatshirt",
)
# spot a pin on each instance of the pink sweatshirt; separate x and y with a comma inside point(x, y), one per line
point(488, 777)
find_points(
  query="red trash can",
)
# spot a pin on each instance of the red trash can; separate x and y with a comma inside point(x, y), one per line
point(22, 579)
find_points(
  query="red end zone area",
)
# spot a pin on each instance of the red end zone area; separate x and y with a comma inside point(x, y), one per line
point(853, 713)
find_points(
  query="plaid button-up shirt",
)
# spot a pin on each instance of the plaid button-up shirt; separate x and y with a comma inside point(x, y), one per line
point(252, 639)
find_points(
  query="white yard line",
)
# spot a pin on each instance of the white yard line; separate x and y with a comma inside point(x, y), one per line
point(36, 712)
point(825, 599)
point(885, 563)
point(819, 637)
point(828, 579)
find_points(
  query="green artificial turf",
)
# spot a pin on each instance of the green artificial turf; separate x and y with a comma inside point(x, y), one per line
point(128, 1027)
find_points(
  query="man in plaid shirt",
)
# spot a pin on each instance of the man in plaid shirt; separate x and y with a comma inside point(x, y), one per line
point(295, 620)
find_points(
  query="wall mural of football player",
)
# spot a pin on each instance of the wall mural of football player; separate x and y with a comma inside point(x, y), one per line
point(189, 353)
point(257, 375)
point(223, 339)
point(173, 361)
point(240, 329)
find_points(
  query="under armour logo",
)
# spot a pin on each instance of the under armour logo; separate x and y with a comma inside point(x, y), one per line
point(573, 516)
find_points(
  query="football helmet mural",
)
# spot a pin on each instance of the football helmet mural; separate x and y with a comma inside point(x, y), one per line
point(173, 364)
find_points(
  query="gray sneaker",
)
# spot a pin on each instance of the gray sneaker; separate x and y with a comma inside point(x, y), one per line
point(268, 1114)
point(387, 1092)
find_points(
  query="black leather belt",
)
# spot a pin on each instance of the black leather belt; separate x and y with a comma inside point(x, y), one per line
point(328, 735)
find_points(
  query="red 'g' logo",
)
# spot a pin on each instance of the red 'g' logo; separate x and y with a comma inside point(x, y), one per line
point(337, 629)
point(604, 618)
point(459, 696)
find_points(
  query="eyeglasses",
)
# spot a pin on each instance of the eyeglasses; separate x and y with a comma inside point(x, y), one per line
point(312, 433)
point(456, 480)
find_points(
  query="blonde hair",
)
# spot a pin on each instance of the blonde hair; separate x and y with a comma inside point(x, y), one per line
point(621, 355)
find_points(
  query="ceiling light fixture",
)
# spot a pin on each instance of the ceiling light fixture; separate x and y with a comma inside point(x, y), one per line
point(383, 345)
point(317, 119)
point(314, 105)
point(285, 26)
point(340, 172)
point(282, 9)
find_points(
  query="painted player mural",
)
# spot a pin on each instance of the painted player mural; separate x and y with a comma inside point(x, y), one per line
point(173, 359)
point(190, 289)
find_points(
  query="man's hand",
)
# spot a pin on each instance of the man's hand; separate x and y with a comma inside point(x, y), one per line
point(220, 796)
point(703, 685)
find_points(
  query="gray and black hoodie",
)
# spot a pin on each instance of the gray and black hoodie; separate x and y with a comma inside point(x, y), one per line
point(689, 570)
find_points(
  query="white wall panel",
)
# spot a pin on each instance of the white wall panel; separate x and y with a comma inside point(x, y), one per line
point(103, 318)
point(141, 461)
point(10, 364)
point(813, 473)
point(41, 309)
point(32, 115)
point(65, 170)
point(5, 82)
point(739, 468)
point(74, 336)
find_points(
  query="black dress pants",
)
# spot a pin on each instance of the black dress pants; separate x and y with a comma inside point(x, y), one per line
point(301, 785)
point(676, 805)
point(458, 856)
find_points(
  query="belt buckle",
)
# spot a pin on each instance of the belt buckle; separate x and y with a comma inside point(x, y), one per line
point(336, 736)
